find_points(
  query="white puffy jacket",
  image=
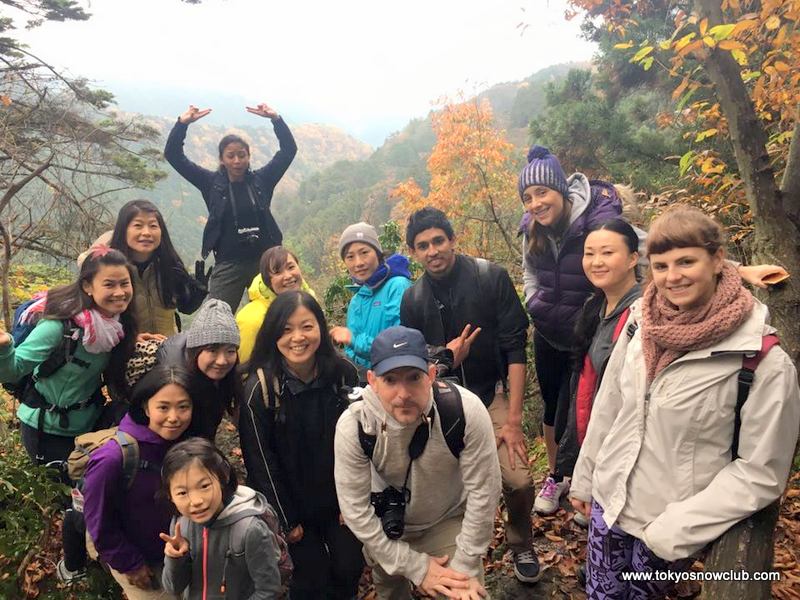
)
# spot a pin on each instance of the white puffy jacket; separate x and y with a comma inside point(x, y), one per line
point(658, 459)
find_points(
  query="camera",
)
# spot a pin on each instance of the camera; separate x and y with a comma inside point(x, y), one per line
point(390, 506)
point(248, 236)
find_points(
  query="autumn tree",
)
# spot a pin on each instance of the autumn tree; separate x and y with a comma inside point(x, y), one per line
point(63, 152)
point(730, 63)
point(473, 175)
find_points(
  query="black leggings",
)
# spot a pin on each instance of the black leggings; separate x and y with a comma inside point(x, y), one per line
point(553, 369)
point(327, 563)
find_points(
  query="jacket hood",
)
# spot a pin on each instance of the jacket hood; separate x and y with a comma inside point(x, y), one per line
point(374, 417)
point(394, 266)
point(259, 290)
point(246, 502)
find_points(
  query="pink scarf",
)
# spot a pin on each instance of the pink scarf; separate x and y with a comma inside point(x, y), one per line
point(100, 333)
point(667, 332)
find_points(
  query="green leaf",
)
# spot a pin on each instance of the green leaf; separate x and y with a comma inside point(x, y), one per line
point(705, 134)
point(721, 32)
point(647, 63)
point(685, 162)
point(686, 97)
point(642, 52)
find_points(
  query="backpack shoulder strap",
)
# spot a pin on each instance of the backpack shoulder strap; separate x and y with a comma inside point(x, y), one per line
point(64, 351)
point(623, 317)
point(451, 412)
point(237, 532)
point(744, 381)
point(272, 397)
point(130, 456)
point(367, 441)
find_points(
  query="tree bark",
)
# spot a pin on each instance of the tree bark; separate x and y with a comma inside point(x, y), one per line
point(776, 236)
point(746, 547)
point(790, 185)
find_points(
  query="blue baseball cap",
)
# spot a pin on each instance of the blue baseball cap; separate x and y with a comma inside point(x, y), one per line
point(397, 347)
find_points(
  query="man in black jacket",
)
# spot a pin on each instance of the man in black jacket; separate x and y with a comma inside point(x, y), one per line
point(469, 307)
point(240, 224)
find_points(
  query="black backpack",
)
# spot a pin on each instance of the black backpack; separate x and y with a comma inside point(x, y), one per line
point(447, 400)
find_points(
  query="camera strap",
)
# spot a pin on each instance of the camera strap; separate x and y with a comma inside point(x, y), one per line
point(233, 202)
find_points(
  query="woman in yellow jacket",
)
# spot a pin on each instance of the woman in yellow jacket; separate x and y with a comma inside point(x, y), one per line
point(279, 271)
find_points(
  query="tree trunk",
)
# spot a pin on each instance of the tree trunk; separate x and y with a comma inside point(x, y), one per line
point(4, 273)
point(747, 547)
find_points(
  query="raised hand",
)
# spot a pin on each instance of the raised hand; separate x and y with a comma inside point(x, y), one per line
point(5, 339)
point(263, 110)
point(341, 335)
point(192, 114)
point(176, 545)
point(763, 275)
point(460, 346)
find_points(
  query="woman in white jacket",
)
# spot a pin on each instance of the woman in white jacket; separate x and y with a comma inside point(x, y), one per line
point(658, 474)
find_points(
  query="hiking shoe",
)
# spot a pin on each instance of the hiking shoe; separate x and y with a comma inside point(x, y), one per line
point(526, 566)
point(580, 519)
point(546, 502)
point(66, 576)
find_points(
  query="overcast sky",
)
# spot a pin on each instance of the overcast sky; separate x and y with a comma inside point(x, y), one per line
point(367, 66)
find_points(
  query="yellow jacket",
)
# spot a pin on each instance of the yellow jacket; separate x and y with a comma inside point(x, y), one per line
point(250, 317)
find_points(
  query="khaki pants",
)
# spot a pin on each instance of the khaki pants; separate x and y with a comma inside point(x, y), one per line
point(131, 591)
point(439, 540)
point(518, 492)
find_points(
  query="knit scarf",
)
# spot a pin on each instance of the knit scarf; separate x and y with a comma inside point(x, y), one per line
point(100, 333)
point(667, 332)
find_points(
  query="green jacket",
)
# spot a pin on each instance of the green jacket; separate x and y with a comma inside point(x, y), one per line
point(67, 386)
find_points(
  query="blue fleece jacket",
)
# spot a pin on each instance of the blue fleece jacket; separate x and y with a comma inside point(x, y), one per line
point(373, 308)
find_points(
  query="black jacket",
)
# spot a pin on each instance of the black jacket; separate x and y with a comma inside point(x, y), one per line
point(483, 297)
point(213, 185)
point(288, 451)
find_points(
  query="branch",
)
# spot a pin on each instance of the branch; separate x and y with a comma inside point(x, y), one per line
point(12, 191)
point(515, 249)
point(790, 185)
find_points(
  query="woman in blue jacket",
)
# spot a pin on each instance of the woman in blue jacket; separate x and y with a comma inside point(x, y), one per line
point(378, 284)
point(240, 224)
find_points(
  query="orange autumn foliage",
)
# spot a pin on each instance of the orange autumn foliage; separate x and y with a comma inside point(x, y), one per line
point(473, 180)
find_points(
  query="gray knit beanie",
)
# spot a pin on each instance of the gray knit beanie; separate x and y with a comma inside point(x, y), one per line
point(360, 232)
point(544, 169)
point(213, 324)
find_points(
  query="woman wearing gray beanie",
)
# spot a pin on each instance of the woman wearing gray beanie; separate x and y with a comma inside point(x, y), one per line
point(209, 350)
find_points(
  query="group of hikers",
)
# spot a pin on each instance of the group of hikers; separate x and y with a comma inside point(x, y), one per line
point(670, 411)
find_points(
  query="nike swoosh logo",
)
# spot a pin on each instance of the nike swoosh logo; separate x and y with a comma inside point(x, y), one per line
point(399, 345)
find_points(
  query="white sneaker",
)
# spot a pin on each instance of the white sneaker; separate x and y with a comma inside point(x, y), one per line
point(546, 502)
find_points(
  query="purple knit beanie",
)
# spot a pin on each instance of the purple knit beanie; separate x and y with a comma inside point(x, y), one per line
point(544, 169)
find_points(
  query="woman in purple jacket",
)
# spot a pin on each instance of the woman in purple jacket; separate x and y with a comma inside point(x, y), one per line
point(123, 521)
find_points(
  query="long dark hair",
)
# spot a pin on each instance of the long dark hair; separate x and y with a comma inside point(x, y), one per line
point(589, 317)
point(66, 301)
point(199, 450)
point(165, 258)
point(229, 389)
point(331, 366)
point(148, 386)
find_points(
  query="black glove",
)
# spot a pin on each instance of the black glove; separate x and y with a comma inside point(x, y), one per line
point(199, 272)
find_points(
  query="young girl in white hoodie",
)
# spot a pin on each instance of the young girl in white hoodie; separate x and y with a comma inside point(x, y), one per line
point(219, 547)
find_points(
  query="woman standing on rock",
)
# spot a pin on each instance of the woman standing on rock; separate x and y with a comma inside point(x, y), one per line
point(240, 224)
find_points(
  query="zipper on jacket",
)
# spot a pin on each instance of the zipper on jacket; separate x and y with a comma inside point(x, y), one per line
point(205, 563)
